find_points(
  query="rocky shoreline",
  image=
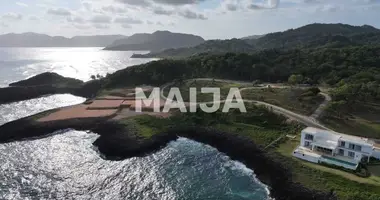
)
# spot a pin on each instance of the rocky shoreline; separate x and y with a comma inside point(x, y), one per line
point(116, 142)
point(48, 84)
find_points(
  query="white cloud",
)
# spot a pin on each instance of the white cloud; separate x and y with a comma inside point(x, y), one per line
point(101, 19)
point(101, 26)
point(21, 4)
point(225, 18)
point(59, 11)
point(12, 16)
point(113, 9)
point(127, 20)
point(78, 20)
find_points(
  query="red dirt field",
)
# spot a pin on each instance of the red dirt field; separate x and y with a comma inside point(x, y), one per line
point(75, 112)
point(105, 104)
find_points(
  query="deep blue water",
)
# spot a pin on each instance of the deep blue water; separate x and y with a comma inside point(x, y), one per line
point(66, 165)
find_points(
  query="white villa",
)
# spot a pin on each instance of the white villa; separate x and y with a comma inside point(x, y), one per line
point(321, 146)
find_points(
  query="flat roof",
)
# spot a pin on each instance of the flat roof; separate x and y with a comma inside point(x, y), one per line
point(321, 134)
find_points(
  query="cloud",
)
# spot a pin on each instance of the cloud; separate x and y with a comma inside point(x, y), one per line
point(230, 5)
point(21, 4)
point(12, 16)
point(127, 20)
point(113, 9)
point(82, 26)
point(78, 20)
point(179, 2)
point(126, 26)
point(87, 6)
point(101, 19)
point(59, 11)
point(2, 24)
point(162, 11)
point(34, 18)
point(327, 8)
point(269, 5)
point(101, 26)
point(142, 3)
point(191, 15)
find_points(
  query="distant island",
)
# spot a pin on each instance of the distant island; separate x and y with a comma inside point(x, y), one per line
point(156, 41)
point(43, 40)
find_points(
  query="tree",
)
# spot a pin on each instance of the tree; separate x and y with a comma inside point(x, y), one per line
point(295, 79)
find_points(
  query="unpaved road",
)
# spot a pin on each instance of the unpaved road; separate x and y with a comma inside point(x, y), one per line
point(306, 120)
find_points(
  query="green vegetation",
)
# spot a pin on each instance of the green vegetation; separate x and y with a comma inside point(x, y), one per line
point(340, 57)
point(210, 46)
point(258, 123)
point(309, 36)
point(304, 101)
point(184, 87)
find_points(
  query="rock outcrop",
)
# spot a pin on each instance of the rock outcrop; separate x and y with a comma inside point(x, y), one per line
point(48, 84)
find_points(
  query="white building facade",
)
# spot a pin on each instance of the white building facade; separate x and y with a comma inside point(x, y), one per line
point(321, 146)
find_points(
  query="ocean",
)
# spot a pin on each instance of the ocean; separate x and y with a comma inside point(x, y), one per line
point(67, 166)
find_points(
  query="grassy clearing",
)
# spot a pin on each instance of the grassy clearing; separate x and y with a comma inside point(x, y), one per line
point(146, 125)
point(363, 121)
point(185, 86)
point(295, 99)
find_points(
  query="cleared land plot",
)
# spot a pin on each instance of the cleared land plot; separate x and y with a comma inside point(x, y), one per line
point(364, 121)
point(75, 112)
point(105, 104)
point(185, 86)
point(299, 100)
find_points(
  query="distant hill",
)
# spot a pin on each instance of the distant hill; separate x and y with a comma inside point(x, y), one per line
point(312, 33)
point(210, 46)
point(252, 37)
point(309, 36)
point(156, 41)
point(42, 40)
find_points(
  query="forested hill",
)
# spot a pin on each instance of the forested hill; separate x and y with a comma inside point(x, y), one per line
point(156, 41)
point(314, 35)
point(309, 36)
point(210, 46)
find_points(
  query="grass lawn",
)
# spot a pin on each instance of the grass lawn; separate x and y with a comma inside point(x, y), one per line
point(364, 122)
point(185, 86)
point(294, 99)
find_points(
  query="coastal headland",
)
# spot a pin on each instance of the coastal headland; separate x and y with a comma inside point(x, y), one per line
point(124, 133)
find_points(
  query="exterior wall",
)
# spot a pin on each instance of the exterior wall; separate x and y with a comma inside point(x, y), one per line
point(303, 140)
point(306, 157)
point(366, 149)
point(376, 153)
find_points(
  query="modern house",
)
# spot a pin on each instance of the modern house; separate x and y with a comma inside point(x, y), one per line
point(322, 146)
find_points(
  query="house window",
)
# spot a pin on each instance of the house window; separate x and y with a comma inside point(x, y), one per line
point(309, 137)
point(341, 152)
point(307, 144)
point(351, 154)
point(351, 146)
point(342, 143)
point(358, 148)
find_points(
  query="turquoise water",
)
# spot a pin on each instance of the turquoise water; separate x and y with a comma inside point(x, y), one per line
point(67, 166)
point(339, 161)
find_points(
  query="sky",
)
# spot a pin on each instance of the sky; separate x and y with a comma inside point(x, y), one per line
point(211, 19)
